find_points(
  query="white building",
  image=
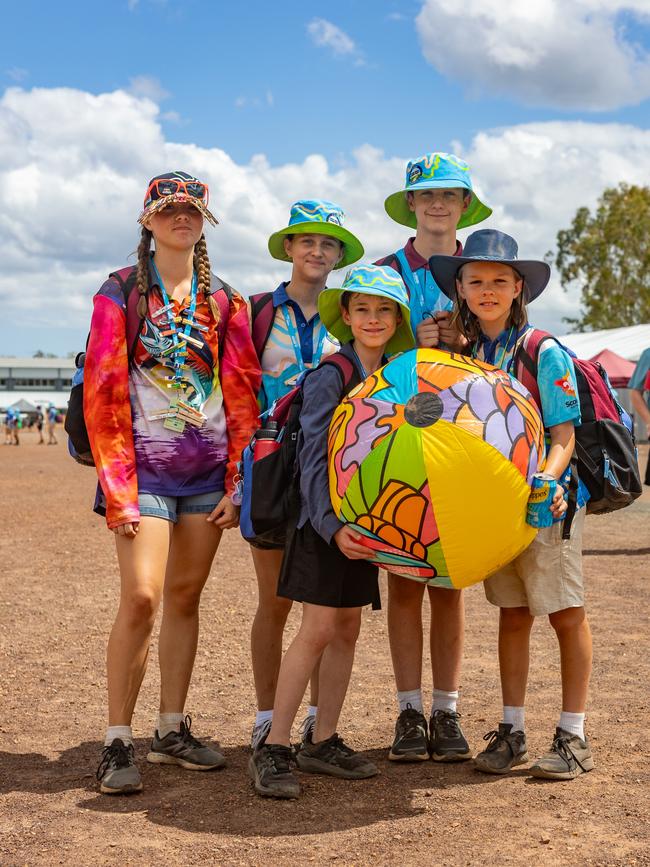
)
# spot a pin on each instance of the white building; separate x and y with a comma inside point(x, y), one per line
point(39, 381)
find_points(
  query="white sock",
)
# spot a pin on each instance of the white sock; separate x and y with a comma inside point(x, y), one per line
point(443, 700)
point(169, 722)
point(410, 696)
point(516, 716)
point(263, 716)
point(573, 722)
point(312, 710)
point(125, 733)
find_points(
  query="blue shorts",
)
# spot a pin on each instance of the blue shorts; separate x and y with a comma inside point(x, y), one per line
point(169, 508)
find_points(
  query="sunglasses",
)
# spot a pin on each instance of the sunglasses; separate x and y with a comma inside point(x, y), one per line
point(168, 187)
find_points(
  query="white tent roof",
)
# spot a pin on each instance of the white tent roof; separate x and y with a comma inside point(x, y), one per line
point(629, 342)
point(43, 398)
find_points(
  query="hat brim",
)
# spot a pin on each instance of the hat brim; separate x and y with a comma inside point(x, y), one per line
point(177, 198)
point(352, 247)
point(536, 274)
point(329, 310)
point(398, 209)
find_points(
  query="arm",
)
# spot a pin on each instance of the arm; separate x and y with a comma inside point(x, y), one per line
point(559, 454)
point(107, 411)
point(641, 408)
point(438, 331)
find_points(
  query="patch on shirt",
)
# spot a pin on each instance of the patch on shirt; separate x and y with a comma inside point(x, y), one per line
point(566, 384)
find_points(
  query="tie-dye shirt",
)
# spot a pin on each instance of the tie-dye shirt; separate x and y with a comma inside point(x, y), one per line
point(135, 454)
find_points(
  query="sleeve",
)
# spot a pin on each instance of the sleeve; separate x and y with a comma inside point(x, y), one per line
point(322, 392)
point(241, 378)
point(639, 377)
point(107, 410)
point(556, 381)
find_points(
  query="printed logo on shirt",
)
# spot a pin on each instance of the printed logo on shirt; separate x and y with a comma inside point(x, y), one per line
point(565, 384)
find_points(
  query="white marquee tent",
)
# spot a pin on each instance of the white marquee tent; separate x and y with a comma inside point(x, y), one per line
point(629, 342)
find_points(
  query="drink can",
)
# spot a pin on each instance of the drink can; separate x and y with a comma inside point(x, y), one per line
point(538, 512)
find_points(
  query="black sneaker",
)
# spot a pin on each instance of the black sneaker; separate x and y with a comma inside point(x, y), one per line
point(260, 734)
point(334, 758)
point(270, 770)
point(182, 748)
point(569, 757)
point(116, 772)
point(411, 743)
point(447, 741)
point(505, 750)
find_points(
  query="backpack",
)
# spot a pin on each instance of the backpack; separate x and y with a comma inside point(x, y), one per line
point(605, 456)
point(75, 423)
point(262, 318)
point(271, 486)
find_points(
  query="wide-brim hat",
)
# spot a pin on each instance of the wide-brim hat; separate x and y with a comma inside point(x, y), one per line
point(316, 216)
point(436, 171)
point(155, 201)
point(490, 245)
point(368, 280)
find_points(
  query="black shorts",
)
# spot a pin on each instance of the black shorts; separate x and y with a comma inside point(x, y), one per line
point(318, 573)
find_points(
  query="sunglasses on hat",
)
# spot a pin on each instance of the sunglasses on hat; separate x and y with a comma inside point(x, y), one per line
point(160, 188)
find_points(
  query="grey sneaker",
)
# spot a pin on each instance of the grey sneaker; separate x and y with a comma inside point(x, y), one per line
point(182, 748)
point(505, 750)
point(569, 757)
point(117, 773)
point(334, 758)
point(270, 770)
point(411, 743)
point(260, 734)
point(447, 741)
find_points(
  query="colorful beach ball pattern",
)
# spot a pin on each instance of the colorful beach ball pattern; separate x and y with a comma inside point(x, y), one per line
point(431, 459)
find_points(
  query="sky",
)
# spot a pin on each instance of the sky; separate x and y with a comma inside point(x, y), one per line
point(548, 101)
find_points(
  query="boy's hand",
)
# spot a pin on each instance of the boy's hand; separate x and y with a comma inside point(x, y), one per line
point(225, 514)
point(450, 335)
point(427, 334)
point(558, 507)
point(348, 541)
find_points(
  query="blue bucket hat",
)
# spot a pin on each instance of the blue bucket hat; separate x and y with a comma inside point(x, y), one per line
point(316, 216)
point(490, 245)
point(436, 171)
point(369, 280)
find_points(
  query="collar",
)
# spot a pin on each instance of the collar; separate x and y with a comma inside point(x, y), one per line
point(416, 261)
point(507, 339)
point(280, 295)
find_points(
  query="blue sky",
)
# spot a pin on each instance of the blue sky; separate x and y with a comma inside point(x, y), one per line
point(549, 101)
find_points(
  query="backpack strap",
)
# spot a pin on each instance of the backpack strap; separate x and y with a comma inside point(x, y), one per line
point(262, 318)
point(572, 499)
point(526, 359)
point(346, 368)
point(222, 293)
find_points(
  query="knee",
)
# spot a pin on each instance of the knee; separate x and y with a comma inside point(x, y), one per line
point(404, 594)
point(348, 630)
point(274, 609)
point(318, 636)
point(140, 607)
point(567, 620)
point(515, 620)
point(183, 598)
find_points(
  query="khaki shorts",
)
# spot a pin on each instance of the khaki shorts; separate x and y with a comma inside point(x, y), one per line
point(547, 576)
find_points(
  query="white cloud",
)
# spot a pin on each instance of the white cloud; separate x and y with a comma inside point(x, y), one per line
point(562, 53)
point(71, 187)
point(325, 33)
point(148, 86)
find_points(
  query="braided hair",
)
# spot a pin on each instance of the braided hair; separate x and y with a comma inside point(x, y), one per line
point(202, 268)
point(142, 274)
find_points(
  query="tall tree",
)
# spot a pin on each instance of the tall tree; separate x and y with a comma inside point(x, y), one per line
point(607, 255)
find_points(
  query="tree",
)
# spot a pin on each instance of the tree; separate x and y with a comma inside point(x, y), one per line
point(608, 255)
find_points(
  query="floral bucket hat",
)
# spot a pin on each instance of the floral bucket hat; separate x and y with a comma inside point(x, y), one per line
point(174, 187)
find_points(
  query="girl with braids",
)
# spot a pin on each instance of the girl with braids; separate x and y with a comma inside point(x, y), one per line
point(168, 413)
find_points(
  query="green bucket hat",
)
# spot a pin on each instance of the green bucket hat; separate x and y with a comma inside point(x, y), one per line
point(369, 280)
point(436, 171)
point(315, 216)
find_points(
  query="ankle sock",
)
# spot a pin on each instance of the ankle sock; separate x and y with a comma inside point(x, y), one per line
point(443, 700)
point(573, 722)
point(410, 696)
point(263, 716)
point(516, 716)
point(169, 722)
point(312, 710)
point(125, 733)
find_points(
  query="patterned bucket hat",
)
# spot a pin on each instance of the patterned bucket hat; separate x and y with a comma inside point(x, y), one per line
point(436, 171)
point(369, 280)
point(316, 216)
point(175, 187)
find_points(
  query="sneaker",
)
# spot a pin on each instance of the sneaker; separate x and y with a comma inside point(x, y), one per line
point(116, 772)
point(411, 743)
point(270, 770)
point(569, 757)
point(505, 750)
point(447, 741)
point(334, 758)
point(182, 748)
point(260, 734)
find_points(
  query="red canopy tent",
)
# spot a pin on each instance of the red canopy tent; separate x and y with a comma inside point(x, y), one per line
point(618, 369)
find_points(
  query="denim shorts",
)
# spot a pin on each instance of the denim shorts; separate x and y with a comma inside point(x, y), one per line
point(169, 508)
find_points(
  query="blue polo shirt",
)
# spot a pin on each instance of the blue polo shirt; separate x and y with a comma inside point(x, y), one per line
point(305, 328)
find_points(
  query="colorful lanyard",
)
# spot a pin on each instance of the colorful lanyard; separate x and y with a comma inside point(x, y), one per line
point(504, 349)
point(297, 349)
point(421, 283)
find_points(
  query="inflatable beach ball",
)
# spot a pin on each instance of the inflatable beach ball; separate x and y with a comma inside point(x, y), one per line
point(431, 459)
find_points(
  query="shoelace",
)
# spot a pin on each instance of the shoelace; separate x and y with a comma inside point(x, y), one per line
point(495, 738)
point(448, 719)
point(412, 720)
point(562, 748)
point(279, 758)
point(337, 745)
point(186, 735)
point(119, 753)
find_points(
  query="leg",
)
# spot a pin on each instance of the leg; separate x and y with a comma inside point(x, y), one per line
point(405, 630)
point(514, 638)
point(447, 637)
point(574, 636)
point(268, 626)
point(142, 562)
point(335, 671)
point(194, 544)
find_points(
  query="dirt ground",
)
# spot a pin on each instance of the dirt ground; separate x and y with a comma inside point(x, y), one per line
point(57, 599)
